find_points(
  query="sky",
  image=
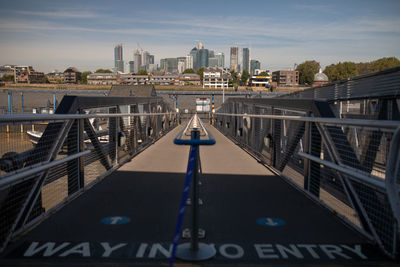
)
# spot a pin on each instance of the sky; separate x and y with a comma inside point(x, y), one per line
point(53, 34)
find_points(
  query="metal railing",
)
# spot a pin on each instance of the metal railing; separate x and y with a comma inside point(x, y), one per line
point(351, 166)
point(193, 251)
point(57, 157)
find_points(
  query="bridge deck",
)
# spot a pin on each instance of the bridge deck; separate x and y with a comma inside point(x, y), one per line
point(236, 191)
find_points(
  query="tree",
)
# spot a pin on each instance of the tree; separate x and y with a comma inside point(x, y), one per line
point(7, 78)
point(245, 77)
point(383, 63)
point(84, 76)
point(341, 71)
point(188, 71)
point(264, 73)
point(103, 71)
point(307, 71)
point(142, 72)
point(45, 79)
point(235, 79)
point(200, 72)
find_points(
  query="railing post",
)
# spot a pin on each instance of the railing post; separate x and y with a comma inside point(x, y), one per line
point(195, 134)
point(307, 161)
point(81, 149)
point(315, 168)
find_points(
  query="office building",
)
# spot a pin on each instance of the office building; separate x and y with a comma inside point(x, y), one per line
point(203, 58)
point(213, 62)
point(234, 59)
point(145, 59)
point(254, 65)
point(171, 65)
point(195, 55)
point(221, 60)
point(72, 75)
point(137, 58)
point(181, 64)
point(131, 66)
point(118, 58)
point(261, 80)
point(286, 77)
point(211, 53)
point(216, 78)
point(103, 78)
point(189, 62)
point(150, 59)
point(245, 59)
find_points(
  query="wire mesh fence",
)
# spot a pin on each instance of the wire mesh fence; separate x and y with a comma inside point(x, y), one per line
point(342, 163)
point(45, 162)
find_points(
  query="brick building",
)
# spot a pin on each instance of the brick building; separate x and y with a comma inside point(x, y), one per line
point(72, 75)
point(286, 77)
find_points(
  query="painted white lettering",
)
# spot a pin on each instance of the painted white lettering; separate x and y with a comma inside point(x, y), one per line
point(265, 251)
point(310, 249)
point(356, 250)
point(239, 252)
point(82, 248)
point(108, 249)
point(292, 250)
point(141, 250)
point(330, 250)
point(48, 248)
point(158, 248)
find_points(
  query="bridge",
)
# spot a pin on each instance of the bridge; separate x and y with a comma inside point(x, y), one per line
point(308, 178)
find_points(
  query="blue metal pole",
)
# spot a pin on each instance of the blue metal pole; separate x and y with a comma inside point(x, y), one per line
point(11, 107)
point(176, 102)
point(54, 103)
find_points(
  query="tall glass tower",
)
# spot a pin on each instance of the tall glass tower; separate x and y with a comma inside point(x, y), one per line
point(245, 59)
point(118, 58)
point(195, 54)
point(203, 58)
point(234, 59)
point(221, 60)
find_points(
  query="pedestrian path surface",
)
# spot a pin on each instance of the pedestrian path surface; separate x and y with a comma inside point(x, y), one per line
point(251, 216)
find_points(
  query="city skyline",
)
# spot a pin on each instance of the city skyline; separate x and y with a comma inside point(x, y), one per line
point(54, 35)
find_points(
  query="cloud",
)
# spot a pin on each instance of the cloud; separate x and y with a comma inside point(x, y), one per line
point(64, 13)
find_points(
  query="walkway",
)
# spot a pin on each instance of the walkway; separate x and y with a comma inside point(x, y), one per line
point(251, 215)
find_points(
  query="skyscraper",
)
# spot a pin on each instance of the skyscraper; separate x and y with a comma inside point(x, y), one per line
point(221, 60)
point(245, 59)
point(189, 62)
point(171, 65)
point(213, 62)
point(150, 59)
point(254, 64)
point(195, 54)
point(145, 57)
point(234, 59)
point(181, 64)
point(131, 66)
point(137, 58)
point(118, 58)
point(203, 58)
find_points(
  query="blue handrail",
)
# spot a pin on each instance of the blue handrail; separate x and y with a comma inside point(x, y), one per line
point(207, 142)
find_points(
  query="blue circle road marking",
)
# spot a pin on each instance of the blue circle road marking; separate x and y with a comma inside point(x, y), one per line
point(272, 222)
point(115, 220)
